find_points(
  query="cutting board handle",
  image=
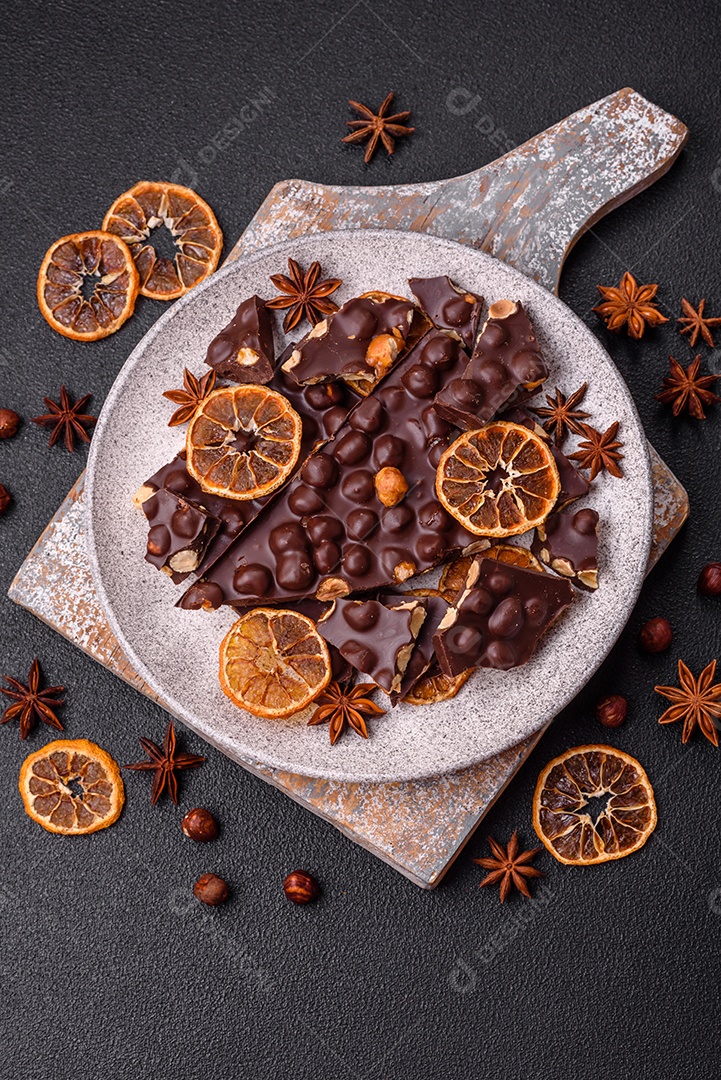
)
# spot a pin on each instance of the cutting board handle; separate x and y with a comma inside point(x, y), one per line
point(527, 208)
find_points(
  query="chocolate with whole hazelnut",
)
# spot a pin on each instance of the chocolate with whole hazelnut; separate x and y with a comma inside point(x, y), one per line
point(567, 542)
point(9, 423)
point(362, 514)
point(449, 307)
point(179, 534)
point(243, 351)
point(300, 887)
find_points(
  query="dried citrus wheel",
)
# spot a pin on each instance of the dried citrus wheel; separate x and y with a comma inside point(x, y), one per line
point(273, 662)
point(433, 688)
point(579, 835)
point(243, 441)
point(107, 264)
point(72, 786)
point(190, 221)
point(499, 480)
point(453, 578)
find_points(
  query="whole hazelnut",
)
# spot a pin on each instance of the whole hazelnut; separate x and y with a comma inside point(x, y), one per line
point(9, 423)
point(656, 635)
point(5, 499)
point(709, 580)
point(300, 887)
point(211, 889)
point(611, 711)
point(200, 825)
point(391, 485)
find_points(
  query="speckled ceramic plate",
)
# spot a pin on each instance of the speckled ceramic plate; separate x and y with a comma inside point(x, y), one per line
point(177, 651)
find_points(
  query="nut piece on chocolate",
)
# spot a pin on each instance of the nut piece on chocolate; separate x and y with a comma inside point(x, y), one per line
point(568, 544)
point(506, 363)
point(376, 639)
point(499, 618)
point(359, 344)
point(243, 351)
point(423, 654)
point(448, 307)
point(179, 534)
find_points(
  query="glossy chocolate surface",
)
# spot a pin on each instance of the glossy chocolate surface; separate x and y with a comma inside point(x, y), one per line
point(505, 361)
point(500, 617)
point(353, 344)
point(377, 639)
point(448, 307)
point(179, 534)
point(568, 543)
point(328, 530)
point(243, 351)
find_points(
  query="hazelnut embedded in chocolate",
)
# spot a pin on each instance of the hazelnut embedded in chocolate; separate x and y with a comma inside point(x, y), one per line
point(391, 485)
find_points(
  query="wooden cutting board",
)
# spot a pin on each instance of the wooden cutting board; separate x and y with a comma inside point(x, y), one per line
point(527, 208)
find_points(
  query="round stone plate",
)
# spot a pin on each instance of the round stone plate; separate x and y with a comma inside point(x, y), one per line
point(176, 651)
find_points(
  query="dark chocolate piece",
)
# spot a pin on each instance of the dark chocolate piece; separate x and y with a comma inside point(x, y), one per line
point(568, 543)
point(232, 515)
point(424, 653)
point(359, 344)
point(376, 639)
point(573, 483)
point(500, 617)
point(448, 307)
point(328, 534)
point(179, 534)
point(506, 363)
point(243, 351)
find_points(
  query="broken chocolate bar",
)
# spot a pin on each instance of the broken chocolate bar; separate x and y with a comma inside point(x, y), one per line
point(359, 344)
point(568, 543)
point(499, 618)
point(506, 363)
point(376, 639)
point(179, 534)
point(424, 653)
point(336, 528)
point(448, 307)
point(243, 351)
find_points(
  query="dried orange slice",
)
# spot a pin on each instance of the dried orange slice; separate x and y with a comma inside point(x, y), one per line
point(243, 442)
point(453, 578)
point(578, 835)
point(190, 221)
point(438, 687)
point(500, 480)
point(273, 662)
point(72, 786)
point(70, 266)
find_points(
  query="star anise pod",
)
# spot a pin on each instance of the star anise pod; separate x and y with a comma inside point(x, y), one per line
point(686, 389)
point(696, 324)
point(31, 702)
point(165, 763)
point(509, 867)
point(375, 126)
point(696, 702)
point(66, 418)
point(629, 304)
point(562, 416)
point(342, 704)
point(195, 390)
point(304, 294)
point(599, 451)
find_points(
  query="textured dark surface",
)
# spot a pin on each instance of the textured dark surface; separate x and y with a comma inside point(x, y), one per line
point(108, 965)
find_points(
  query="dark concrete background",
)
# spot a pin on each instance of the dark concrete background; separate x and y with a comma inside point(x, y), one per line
point(108, 968)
